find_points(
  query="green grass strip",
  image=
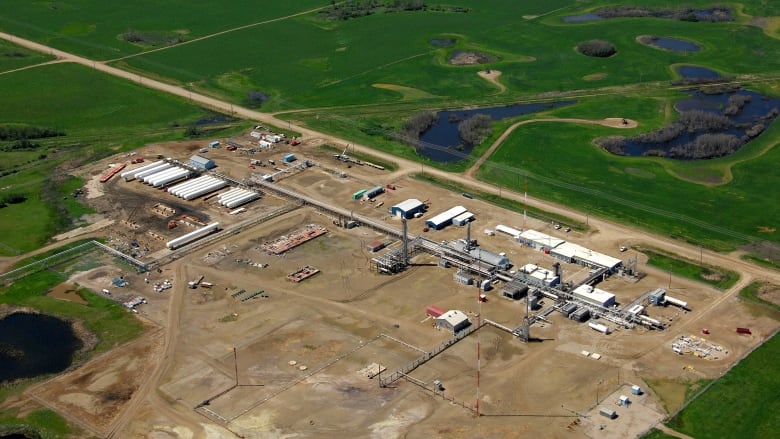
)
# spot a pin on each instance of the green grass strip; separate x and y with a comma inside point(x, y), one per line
point(711, 275)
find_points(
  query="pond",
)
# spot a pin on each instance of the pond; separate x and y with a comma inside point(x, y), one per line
point(582, 18)
point(690, 71)
point(35, 344)
point(441, 142)
point(442, 42)
point(673, 44)
point(755, 108)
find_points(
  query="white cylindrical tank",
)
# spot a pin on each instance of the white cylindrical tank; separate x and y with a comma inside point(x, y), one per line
point(189, 189)
point(129, 175)
point(150, 177)
point(676, 302)
point(181, 188)
point(599, 327)
point(146, 172)
point(243, 200)
point(192, 236)
point(205, 190)
point(232, 191)
point(233, 197)
point(181, 173)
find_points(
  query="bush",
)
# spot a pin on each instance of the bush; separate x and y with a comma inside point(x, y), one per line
point(411, 129)
point(475, 130)
point(597, 48)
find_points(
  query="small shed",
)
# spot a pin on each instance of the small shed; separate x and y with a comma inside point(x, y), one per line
point(214, 144)
point(636, 390)
point(462, 277)
point(375, 246)
point(453, 320)
point(289, 158)
point(607, 413)
point(200, 162)
point(264, 144)
point(407, 209)
point(434, 311)
point(624, 401)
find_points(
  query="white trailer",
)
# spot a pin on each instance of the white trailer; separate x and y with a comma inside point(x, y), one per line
point(129, 175)
point(146, 172)
point(205, 190)
point(192, 236)
point(162, 181)
point(676, 302)
point(599, 327)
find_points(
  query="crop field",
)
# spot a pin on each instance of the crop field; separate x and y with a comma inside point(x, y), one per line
point(113, 115)
point(739, 405)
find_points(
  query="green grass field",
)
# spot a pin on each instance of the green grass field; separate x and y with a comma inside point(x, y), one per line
point(717, 277)
point(742, 404)
point(113, 116)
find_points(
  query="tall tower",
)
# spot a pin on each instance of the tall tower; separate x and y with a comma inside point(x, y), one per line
point(405, 242)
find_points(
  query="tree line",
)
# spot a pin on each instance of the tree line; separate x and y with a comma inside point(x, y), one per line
point(22, 132)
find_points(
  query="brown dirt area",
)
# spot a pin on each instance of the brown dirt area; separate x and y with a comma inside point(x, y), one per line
point(236, 354)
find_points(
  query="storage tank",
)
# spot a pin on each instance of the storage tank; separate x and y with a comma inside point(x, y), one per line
point(192, 236)
point(247, 198)
point(129, 175)
point(148, 178)
point(599, 327)
point(181, 188)
point(210, 187)
point(200, 184)
point(149, 171)
point(179, 174)
point(156, 178)
point(676, 302)
point(238, 194)
point(232, 191)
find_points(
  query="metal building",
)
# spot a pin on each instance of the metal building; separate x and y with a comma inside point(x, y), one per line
point(444, 219)
point(202, 162)
point(463, 219)
point(462, 277)
point(453, 320)
point(594, 296)
point(374, 192)
point(514, 290)
point(407, 209)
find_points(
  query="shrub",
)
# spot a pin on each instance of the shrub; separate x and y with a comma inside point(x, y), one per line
point(597, 48)
point(475, 130)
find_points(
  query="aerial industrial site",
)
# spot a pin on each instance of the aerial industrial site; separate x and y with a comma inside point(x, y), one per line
point(316, 292)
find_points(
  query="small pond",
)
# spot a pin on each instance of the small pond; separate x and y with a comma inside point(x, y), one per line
point(441, 141)
point(755, 109)
point(673, 44)
point(582, 18)
point(442, 42)
point(35, 344)
point(697, 72)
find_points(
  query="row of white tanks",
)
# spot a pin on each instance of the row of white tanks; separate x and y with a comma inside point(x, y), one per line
point(157, 174)
point(236, 197)
point(192, 189)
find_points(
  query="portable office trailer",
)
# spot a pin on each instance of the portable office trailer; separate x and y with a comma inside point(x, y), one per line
point(289, 158)
point(463, 219)
point(434, 311)
point(508, 230)
point(192, 236)
point(129, 175)
point(358, 194)
point(374, 192)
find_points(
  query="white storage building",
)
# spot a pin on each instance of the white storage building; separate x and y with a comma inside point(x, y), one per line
point(535, 239)
point(453, 320)
point(444, 219)
point(594, 296)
